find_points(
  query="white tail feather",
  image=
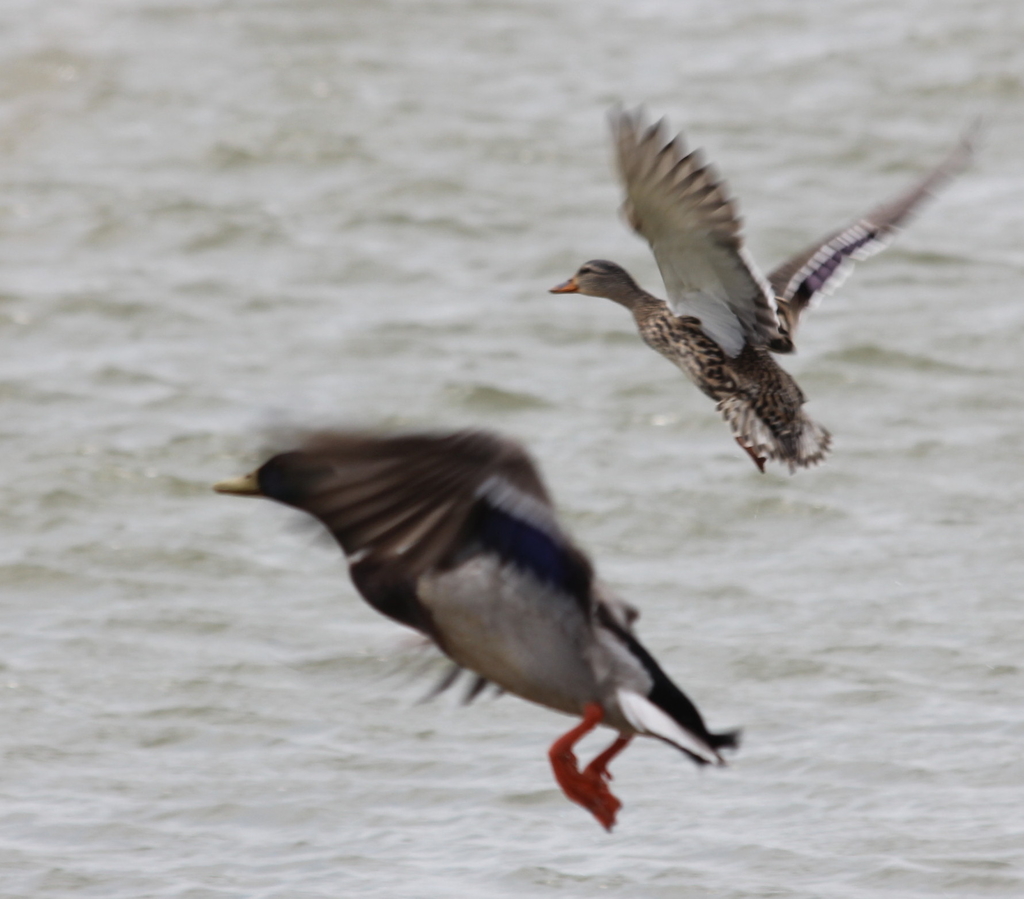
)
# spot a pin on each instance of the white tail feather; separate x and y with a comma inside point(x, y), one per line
point(647, 718)
point(810, 445)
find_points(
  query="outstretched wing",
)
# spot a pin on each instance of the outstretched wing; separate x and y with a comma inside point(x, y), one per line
point(400, 506)
point(678, 203)
point(821, 268)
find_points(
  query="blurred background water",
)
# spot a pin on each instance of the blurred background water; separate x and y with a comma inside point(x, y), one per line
point(217, 217)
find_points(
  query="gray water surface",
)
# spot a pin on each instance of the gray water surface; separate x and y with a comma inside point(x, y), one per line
point(218, 218)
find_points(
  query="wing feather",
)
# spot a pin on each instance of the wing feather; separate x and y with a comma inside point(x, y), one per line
point(679, 204)
point(415, 502)
point(819, 269)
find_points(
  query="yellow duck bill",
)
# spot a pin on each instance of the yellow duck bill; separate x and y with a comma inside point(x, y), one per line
point(246, 485)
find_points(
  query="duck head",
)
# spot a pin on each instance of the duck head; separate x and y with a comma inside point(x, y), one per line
point(600, 278)
point(283, 477)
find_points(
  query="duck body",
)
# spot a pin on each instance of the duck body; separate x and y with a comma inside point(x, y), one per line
point(759, 399)
point(454, 535)
point(680, 339)
point(531, 640)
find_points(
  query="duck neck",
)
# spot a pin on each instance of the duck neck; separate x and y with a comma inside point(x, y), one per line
point(626, 292)
point(643, 305)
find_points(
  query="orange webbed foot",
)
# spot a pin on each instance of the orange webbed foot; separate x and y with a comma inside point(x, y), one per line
point(589, 786)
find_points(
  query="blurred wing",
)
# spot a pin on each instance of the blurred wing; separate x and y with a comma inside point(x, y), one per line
point(524, 532)
point(678, 203)
point(820, 268)
point(421, 501)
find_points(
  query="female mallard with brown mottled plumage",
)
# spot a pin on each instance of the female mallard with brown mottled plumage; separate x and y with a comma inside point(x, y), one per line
point(723, 318)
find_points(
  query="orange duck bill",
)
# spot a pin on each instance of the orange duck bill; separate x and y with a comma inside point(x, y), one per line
point(588, 787)
point(569, 286)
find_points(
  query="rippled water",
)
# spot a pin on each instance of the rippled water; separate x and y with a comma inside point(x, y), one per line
point(218, 217)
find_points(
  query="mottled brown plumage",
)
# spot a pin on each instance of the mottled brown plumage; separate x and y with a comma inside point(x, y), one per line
point(759, 399)
point(722, 316)
point(721, 313)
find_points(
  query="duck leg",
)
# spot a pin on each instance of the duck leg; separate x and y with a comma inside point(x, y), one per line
point(758, 460)
point(599, 766)
point(588, 787)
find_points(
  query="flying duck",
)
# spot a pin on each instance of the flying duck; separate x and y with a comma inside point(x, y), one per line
point(454, 535)
point(723, 319)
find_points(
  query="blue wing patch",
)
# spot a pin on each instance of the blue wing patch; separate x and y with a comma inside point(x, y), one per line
point(828, 268)
point(535, 550)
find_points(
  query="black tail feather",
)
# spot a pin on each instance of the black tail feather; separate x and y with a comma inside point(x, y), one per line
point(728, 740)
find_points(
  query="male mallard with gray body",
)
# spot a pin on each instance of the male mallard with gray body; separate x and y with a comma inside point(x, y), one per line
point(454, 535)
point(723, 318)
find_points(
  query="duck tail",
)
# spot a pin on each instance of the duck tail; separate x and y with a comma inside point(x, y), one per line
point(780, 434)
point(730, 739)
point(697, 742)
point(666, 712)
point(649, 718)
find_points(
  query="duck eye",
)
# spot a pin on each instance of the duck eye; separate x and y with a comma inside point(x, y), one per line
point(586, 270)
